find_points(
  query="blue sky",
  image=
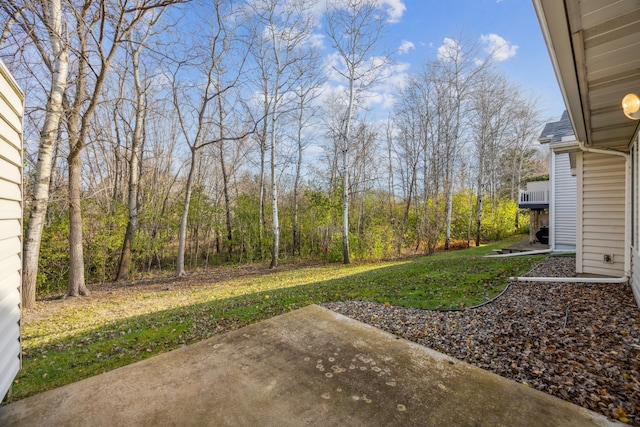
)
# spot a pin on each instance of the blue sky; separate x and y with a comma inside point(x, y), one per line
point(424, 24)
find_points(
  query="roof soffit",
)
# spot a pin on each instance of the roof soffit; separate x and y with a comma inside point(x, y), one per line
point(595, 50)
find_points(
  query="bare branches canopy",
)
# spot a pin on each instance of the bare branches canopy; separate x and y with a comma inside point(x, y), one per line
point(176, 135)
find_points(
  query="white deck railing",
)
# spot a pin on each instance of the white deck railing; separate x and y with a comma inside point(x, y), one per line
point(540, 197)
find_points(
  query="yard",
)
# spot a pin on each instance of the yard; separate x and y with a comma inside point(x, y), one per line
point(67, 340)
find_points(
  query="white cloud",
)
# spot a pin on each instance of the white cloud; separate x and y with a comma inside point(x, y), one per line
point(332, 63)
point(394, 76)
point(500, 48)
point(405, 47)
point(395, 9)
point(380, 95)
point(316, 40)
point(449, 50)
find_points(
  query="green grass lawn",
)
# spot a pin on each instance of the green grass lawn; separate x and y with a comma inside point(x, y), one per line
point(87, 338)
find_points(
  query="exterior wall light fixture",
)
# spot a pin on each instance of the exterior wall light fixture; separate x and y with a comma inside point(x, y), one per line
point(631, 106)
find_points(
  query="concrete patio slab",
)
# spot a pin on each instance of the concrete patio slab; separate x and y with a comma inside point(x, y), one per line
point(308, 367)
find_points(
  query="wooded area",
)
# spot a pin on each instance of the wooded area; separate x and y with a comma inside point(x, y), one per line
point(171, 134)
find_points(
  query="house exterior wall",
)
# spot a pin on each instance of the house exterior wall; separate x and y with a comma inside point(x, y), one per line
point(635, 274)
point(564, 203)
point(635, 223)
point(601, 210)
point(11, 108)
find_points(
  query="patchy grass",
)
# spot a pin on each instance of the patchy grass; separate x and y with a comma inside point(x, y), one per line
point(65, 341)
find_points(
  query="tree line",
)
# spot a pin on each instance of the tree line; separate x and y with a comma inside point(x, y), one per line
point(170, 134)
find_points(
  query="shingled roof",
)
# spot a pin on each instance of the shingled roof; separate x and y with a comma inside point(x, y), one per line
point(556, 131)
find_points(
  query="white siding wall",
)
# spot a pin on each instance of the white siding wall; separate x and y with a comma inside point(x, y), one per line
point(635, 275)
point(564, 203)
point(635, 253)
point(601, 190)
point(11, 104)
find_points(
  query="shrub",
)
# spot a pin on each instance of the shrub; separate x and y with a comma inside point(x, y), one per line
point(498, 221)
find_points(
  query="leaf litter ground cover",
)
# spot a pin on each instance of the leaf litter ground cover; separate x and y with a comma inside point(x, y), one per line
point(579, 342)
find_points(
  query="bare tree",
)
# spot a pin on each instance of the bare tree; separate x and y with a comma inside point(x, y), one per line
point(389, 130)
point(99, 31)
point(282, 31)
point(197, 128)
point(526, 124)
point(50, 15)
point(158, 182)
point(354, 28)
point(410, 113)
point(135, 45)
point(308, 90)
point(229, 155)
point(458, 66)
point(491, 121)
point(364, 170)
point(422, 117)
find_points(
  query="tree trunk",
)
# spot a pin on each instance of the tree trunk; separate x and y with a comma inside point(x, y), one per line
point(517, 191)
point(275, 249)
point(263, 154)
point(182, 236)
point(478, 217)
point(134, 174)
point(35, 224)
point(75, 286)
point(345, 175)
point(227, 200)
point(295, 237)
point(407, 207)
point(470, 218)
point(447, 240)
point(345, 209)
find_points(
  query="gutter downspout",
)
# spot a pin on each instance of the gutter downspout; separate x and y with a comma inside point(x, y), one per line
point(627, 235)
point(552, 199)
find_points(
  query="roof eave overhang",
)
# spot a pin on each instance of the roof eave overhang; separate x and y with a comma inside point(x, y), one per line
point(568, 146)
point(554, 22)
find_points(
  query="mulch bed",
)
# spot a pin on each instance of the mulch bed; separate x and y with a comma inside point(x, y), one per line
point(579, 342)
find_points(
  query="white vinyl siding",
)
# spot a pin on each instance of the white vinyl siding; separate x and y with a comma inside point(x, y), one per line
point(635, 275)
point(564, 203)
point(11, 107)
point(601, 214)
point(635, 254)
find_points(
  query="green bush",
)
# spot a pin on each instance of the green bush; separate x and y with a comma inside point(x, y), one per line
point(499, 221)
point(53, 264)
point(378, 242)
point(103, 234)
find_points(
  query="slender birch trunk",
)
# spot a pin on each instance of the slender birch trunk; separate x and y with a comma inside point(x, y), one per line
point(275, 249)
point(296, 184)
point(44, 166)
point(345, 176)
point(261, 194)
point(134, 171)
point(227, 199)
point(182, 237)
